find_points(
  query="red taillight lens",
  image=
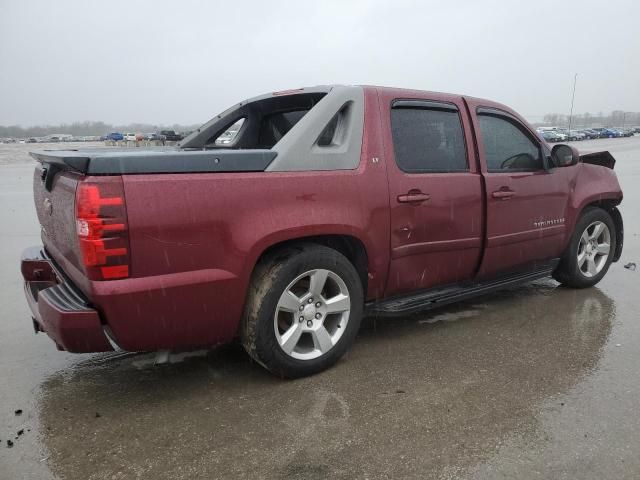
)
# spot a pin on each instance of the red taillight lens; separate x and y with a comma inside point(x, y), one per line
point(101, 225)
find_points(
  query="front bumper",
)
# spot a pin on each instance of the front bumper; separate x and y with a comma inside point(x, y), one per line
point(58, 308)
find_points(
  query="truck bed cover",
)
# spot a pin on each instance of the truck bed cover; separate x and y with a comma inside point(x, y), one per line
point(109, 161)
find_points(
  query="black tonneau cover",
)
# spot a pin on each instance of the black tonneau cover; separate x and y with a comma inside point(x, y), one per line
point(116, 161)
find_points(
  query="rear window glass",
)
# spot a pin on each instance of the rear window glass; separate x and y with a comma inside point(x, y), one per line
point(265, 122)
point(275, 126)
point(229, 135)
point(428, 140)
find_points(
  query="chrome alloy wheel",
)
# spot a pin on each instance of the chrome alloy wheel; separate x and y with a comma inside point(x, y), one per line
point(312, 314)
point(594, 249)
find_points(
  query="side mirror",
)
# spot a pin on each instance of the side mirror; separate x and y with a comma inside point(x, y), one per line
point(564, 155)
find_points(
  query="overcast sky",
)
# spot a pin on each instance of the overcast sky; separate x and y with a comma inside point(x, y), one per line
point(184, 61)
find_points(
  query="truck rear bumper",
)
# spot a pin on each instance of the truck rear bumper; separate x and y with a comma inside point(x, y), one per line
point(58, 308)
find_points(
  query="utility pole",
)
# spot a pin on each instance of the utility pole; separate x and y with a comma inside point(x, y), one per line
point(573, 96)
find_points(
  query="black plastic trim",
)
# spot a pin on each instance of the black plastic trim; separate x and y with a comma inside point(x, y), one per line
point(430, 104)
point(602, 159)
point(150, 161)
point(65, 299)
point(63, 295)
point(496, 112)
point(433, 298)
point(617, 220)
point(70, 288)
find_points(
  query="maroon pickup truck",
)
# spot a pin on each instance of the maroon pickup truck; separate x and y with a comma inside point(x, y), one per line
point(322, 205)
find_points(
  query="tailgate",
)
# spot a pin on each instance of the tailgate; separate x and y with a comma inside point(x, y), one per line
point(55, 207)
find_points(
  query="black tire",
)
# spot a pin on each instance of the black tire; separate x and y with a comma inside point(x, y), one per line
point(568, 272)
point(270, 279)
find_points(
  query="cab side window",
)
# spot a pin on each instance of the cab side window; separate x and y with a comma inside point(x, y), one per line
point(507, 147)
point(427, 138)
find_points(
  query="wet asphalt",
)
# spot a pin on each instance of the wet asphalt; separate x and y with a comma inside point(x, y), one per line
point(534, 382)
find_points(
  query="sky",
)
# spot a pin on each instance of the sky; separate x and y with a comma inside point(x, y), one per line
point(166, 62)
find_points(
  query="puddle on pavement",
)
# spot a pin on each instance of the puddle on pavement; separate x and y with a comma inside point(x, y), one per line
point(441, 388)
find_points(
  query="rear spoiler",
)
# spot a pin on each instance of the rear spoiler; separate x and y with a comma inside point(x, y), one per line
point(57, 161)
point(604, 159)
point(130, 162)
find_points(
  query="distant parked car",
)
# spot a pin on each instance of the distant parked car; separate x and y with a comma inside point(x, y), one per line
point(32, 140)
point(550, 136)
point(152, 136)
point(626, 132)
point(562, 136)
point(590, 134)
point(115, 136)
point(130, 137)
point(225, 138)
point(170, 135)
point(576, 135)
point(611, 133)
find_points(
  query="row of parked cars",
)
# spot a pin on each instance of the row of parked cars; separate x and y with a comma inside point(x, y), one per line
point(162, 135)
point(52, 139)
point(554, 134)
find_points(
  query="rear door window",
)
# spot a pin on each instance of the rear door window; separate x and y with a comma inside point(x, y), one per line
point(428, 137)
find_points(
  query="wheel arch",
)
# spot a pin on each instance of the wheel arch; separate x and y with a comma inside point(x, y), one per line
point(610, 205)
point(351, 247)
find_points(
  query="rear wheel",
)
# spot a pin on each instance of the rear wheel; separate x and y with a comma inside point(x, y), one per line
point(303, 310)
point(590, 251)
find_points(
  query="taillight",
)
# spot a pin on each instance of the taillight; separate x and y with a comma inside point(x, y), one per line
point(101, 225)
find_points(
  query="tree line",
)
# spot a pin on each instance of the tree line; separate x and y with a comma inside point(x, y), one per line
point(81, 129)
point(617, 118)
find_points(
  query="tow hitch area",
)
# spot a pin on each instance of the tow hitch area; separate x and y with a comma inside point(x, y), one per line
point(58, 309)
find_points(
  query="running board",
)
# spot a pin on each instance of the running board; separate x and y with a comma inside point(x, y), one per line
point(433, 298)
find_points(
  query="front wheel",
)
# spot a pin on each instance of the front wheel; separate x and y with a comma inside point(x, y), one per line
point(303, 310)
point(590, 250)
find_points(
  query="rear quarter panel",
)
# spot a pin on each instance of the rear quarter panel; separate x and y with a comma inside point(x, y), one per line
point(195, 239)
point(181, 223)
point(195, 236)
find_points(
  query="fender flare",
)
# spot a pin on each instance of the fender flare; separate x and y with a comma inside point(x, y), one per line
point(617, 220)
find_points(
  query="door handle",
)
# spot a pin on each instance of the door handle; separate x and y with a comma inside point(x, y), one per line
point(503, 194)
point(413, 196)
